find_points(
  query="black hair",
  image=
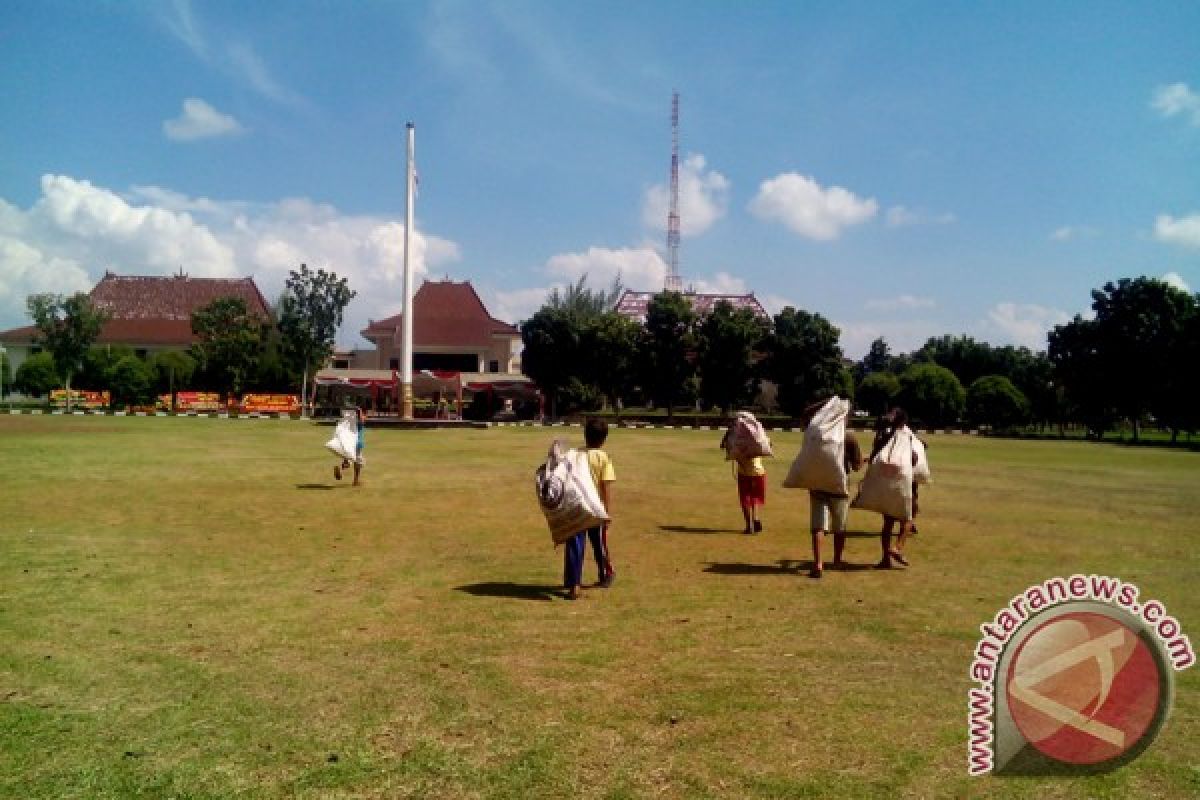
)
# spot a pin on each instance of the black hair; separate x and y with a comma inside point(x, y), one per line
point(899, 417)
point(595, 431)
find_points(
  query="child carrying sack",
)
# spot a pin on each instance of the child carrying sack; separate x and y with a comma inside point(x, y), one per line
point(567, 494)
point(746, 438)
point(820, 464)
point(887, 486)
point(344, 443)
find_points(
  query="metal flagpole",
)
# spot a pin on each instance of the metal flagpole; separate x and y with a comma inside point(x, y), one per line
point(406, 389)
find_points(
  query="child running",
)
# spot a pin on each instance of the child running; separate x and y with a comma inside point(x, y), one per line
point(361, 421)
point(595, 432)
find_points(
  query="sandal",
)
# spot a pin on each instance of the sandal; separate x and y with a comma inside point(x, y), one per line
point(898, 557)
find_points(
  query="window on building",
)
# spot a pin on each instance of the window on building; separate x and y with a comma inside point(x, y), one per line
point(493, 366)
point(394, 363)
point(341, 363)
point(140, 352)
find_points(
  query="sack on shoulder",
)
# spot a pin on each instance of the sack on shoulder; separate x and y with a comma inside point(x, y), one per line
point(746, 438)
point(820, 464)
point(567, 494)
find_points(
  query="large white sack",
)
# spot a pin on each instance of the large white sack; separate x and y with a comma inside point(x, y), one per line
point(567, 494)
point(821, 462)
point(746, 438)
point(887, 486)
point(344, 443)
point(921, 472)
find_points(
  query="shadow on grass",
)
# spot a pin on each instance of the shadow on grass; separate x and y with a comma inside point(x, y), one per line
point(325, 486)
point(784, 566)
point(517, 591)
point(689, 529)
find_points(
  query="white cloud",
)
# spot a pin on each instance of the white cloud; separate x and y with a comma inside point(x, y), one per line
point(774, 303)
point(904, 217)
point(808, 209)
point(721, 283)
point(1022, 324)
point(703, 199)
point(1176, 280)
point(900, 302)
point(199, 120)
point(1068, 232)
point(76, 231)
point(518, 304)
point(1177, 100)
point(1184, 231)
point(640, 268)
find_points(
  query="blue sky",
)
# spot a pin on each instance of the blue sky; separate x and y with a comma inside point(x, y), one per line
point(905, 169)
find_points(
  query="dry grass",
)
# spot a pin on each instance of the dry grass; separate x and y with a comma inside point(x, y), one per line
point(193, 608)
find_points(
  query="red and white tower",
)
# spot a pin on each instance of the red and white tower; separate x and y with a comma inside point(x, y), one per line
point(674, 281)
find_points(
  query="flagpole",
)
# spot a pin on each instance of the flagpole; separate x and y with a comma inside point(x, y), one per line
point(406, 355)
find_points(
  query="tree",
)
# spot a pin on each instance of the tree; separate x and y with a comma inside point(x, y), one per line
point(131, 382)
point(310, 313)
point(1079, 369)
point(994, 400)
point(878, 359)
point(583, 302)
point(962, 355)
point(98, 364)
point(727, 340)
point(610, 343)
point(37, 375)
point(667, 343)
point(551, 355)
point(67, 326)
point(230, 341)
point(877, 392)
point(1177, 407)
point(931, 395)
point(1134, 342)
point(803, 358)
point(172, 369)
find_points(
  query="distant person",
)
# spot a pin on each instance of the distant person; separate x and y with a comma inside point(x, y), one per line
point(751, 478)
point(595, 432)
point(361, 424)
point(886, 429)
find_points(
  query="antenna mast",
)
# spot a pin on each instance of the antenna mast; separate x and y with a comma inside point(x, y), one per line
point(674, 280)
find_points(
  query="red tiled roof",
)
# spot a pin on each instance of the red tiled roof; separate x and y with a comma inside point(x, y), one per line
point(633, 304)
point(156, 310)
point(445, 313)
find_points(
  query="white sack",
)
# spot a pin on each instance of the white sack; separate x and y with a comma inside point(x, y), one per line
point(887, 486)
point(821, 462)
point(344, 443)
point(567, 494)
point(921, 472)
point(746, 438)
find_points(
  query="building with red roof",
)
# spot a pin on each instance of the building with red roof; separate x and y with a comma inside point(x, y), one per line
point(633, 304)
point(452, 331)
point(149, 313)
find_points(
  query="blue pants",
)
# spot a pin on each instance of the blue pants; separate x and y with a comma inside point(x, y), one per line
point(573, 554)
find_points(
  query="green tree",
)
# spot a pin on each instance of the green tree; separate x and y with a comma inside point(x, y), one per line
point(98, 364)
point(67, 326)
point(994, 400)
point(229, 343)
point(877, 392)
point(310, 313)
point(878, 359)
point(584, 302)
point(931, 394)
point(1080, 371)
point(668, 342)
point(37, 375)
point(727, 340)
point(551, 355)
point(172, 371)
point(610, 344)
point(131, 381)
point(803, 358)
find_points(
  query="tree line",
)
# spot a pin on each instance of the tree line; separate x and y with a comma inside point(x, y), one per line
point(235, 350)
point(1131, 363)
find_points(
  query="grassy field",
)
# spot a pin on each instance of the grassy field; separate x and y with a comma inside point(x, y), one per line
point(194, 608)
